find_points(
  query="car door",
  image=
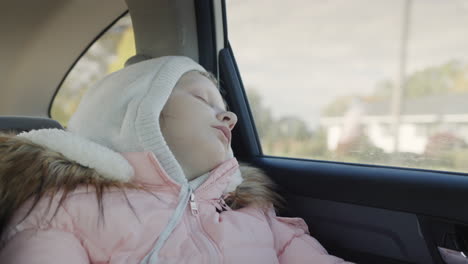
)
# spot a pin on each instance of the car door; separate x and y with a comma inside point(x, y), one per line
point(408, 208)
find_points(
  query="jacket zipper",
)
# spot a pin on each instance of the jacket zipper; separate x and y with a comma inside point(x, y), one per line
point(213, 250)
point(193, 205)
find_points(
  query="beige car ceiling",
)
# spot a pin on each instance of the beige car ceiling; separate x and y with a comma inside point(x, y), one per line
point(42, 39)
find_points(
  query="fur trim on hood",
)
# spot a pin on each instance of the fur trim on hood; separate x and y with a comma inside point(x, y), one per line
point(31, 171)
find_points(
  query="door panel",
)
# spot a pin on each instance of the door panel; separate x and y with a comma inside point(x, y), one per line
point(343, 227)
point(408, 190)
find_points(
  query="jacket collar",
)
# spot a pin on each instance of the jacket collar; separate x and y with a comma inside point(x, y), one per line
point(148, 171)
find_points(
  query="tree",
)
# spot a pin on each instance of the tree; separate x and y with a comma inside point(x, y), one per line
point(264, 121)
point(448, 78)
point(286, 136)
point(339, 106)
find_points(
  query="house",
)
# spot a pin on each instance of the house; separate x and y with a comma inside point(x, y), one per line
point(421, 118)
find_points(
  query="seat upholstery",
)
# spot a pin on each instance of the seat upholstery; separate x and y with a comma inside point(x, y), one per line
point(18, 124)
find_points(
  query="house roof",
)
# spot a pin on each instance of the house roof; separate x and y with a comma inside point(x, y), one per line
point(428, 105)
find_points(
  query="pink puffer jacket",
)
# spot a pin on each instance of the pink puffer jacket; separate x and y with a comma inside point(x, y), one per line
point(77, 235)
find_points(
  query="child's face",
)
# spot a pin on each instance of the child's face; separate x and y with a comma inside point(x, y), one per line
point(189, 122)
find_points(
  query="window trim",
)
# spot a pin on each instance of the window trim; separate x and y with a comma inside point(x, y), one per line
point(246, 142)
point(72, 66)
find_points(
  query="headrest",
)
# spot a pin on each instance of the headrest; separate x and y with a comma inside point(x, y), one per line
point(20, 124)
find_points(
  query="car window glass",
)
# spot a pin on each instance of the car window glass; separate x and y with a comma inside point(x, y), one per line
point(107, 54)
point(362, 81)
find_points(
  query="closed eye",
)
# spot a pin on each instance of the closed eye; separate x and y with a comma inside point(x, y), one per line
point(201, 98)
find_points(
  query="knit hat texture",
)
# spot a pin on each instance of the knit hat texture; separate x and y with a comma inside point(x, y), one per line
point(122, 111)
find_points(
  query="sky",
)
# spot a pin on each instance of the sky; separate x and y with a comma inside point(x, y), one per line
point(301, 54)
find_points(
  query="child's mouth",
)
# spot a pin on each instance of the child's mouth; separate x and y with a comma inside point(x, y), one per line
point(226, 133)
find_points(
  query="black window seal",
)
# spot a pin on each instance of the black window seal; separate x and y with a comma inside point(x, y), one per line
point(206, 34)
point(49, 110)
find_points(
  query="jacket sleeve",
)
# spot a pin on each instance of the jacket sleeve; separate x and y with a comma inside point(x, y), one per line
point(51, 246)
point(294, 245)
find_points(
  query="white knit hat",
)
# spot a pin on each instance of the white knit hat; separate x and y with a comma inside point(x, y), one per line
point(122, 111)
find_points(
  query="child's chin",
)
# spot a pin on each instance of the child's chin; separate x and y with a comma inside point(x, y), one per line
point(217, 157)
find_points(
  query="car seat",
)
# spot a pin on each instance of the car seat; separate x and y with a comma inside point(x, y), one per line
point(18, 124)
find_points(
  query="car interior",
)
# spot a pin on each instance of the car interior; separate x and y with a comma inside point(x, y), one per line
point(359, 212)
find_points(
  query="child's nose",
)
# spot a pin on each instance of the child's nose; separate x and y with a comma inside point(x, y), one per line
point(229, 118)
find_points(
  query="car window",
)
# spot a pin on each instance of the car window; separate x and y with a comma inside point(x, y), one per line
point(363, 81)
point(107, 54)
